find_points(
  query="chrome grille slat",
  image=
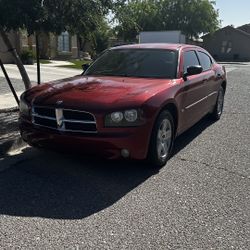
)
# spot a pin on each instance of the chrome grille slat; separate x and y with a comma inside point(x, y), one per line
point(76, 121)
point(44, 117)
point(68, 130)
point(55, 119)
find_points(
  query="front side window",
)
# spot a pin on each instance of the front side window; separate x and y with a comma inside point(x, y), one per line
point(145, 63)
point(190, 59)
point(205, 61)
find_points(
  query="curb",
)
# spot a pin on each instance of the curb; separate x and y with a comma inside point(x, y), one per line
point(17, 143)
point(10, 138)
point(11, 145)
point(13, 157)
point(13, 109)
point(235, 63)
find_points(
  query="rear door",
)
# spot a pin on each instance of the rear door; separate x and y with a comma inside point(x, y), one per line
point(210, 78)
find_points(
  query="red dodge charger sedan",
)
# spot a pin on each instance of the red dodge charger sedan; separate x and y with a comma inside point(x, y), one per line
point(131, 102)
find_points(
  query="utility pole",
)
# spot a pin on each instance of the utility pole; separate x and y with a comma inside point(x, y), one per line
point(38, 53)
point(38, 59)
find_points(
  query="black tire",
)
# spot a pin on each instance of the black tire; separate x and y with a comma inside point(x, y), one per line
point(218, 108)
point(158, 157)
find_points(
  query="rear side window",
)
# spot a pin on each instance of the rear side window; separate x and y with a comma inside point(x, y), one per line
point(190, 59)
point(205, 60)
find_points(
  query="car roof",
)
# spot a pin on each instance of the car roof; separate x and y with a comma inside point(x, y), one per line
point(169, 46)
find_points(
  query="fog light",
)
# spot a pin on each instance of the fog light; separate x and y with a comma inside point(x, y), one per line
point(125, 153)
point(117, 117)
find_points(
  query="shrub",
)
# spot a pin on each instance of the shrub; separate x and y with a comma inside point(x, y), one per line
point(27, 56)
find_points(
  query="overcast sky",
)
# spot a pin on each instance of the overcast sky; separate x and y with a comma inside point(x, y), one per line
point(236, 12)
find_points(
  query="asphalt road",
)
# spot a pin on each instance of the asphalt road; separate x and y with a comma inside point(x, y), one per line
point(199, 200)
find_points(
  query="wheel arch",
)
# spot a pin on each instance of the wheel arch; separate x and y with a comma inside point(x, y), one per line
point(224, 85)
point(172, 108)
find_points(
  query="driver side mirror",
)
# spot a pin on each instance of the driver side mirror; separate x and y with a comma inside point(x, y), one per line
point(192, 70)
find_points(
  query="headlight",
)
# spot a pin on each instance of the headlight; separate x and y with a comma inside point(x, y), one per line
point(131, 115)
point(127, 118)
point(24, 108)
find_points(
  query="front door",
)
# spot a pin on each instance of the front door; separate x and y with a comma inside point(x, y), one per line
point(194, 92)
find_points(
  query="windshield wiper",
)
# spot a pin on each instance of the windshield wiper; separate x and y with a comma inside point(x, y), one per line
point(100, 72)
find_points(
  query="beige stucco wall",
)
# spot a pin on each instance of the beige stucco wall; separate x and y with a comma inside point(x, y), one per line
point(74, 47)
point(52, 46)
point(240, 49)
point(5, 56)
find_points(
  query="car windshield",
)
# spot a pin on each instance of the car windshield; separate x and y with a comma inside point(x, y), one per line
point(145, 63)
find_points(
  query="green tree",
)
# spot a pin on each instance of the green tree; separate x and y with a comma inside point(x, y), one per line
point(75, 16)
point(192, 17)
point(100, 37)
point(135, 16)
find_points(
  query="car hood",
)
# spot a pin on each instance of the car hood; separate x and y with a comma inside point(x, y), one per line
point(97, 93)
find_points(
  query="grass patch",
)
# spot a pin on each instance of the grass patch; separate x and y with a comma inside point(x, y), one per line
point(42, 61)
point(77, 64)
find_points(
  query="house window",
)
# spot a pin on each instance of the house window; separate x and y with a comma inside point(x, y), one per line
point(63, 42)
point(226, 47)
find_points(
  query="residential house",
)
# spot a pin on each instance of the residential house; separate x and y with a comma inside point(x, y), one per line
point(245, 28)
point(63, 46)
point(229, 43)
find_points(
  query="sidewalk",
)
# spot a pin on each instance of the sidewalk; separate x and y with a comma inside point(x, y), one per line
point(49, 72)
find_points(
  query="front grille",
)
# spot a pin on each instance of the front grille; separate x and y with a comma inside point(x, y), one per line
point(80, 126)
point(45, 122)
point(50, 112)
point(72, 115)
point(65, 120)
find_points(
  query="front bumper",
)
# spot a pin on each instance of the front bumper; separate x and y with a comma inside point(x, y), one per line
point(107, 144)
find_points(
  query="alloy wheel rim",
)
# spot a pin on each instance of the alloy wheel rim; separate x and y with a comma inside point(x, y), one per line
point(164, 139)
point(220, 103)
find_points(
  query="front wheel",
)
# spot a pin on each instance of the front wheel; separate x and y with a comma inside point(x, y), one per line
point(162, 138)
point(218, 109)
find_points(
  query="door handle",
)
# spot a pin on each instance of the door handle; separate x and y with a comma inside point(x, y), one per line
point(204, 80)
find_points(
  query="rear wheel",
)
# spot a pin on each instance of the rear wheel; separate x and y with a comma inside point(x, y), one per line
point(218, 109)
point(162, 139)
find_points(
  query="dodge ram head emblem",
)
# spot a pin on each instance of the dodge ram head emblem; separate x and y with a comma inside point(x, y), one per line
point(59, 102)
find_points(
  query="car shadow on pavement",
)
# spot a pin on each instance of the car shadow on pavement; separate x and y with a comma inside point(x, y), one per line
point(53, 185)
point(187, 137)
point(60, 186)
